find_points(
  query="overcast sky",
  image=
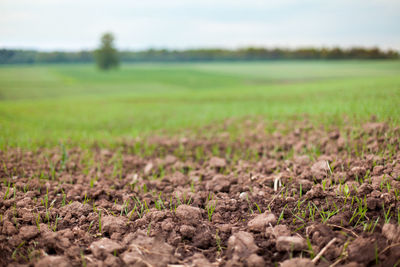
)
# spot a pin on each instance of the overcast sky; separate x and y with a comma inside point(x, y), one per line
point(141, 24)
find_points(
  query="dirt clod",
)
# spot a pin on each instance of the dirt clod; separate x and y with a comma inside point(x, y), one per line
point(189, 214)
point(28, 232)
point(297, 262)
point(104, 246)
point(241, 245)
point(290, 243)
point(51, 261)
point(261, 221)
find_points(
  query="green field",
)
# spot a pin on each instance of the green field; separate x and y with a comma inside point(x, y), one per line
point(41, 105)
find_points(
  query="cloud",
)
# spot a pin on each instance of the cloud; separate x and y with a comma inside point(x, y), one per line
point(62, 24)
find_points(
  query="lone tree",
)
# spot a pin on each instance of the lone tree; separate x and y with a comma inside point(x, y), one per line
point(107, 56)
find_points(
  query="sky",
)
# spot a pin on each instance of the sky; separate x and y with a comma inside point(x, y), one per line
point(180, 24)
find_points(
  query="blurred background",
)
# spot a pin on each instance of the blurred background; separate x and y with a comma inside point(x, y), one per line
point(98, 71)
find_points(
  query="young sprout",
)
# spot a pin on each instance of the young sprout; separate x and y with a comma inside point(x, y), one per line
point(218, 242)
point(192, 187)
point(310, 248)
point(281, 215)
point(258, 207)
point(249, 204)
point(13, 256)
point(148, 229)
point(99, 221)
point(386, 213)
point(7, 191)
point(55, 224)
point(211, 204)
point(64, 156)
point(159, 204)
point(324, 185)
point(37, 220)
point(83, 259)
point(90, 225)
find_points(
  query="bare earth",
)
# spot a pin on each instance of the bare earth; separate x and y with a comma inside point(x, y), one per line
point(299, 196)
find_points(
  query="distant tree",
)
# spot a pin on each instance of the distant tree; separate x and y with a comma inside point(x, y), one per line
point(107, 56)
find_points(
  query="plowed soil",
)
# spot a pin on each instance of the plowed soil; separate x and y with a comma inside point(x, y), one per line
point(298, 195)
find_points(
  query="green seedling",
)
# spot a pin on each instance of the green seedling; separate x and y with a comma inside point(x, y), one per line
point(386, 213)
point(148, 229)
point(398, 216)
point(64, 197)
point(210, 207)
point(37, 220)
point(249, 204)
point(311, 212)
point(218, 242)
point(325, 215)
point(86, 199)
point(99, 221)
point(281, 215)
point(310, 248)
point(64, 156)
point(7, 191)
point(14, 254)
point(55, 224)
point(258, 207)
point(83, 259)
point(90, 225)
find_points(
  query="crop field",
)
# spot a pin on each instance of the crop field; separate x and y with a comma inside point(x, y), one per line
point(43, 105)
point(202, 164)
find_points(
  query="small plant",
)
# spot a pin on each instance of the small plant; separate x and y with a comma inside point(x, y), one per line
point(99, 221)
point(281, 215)
point(258, 207)
point(218, 242)
point(14, 254)
point(7, 192)
point(83, 259)
point(86, 199)
point(55, 224)
point(310, 248)
point(90, 225)
point(398, 216)
point(211, 204)
point(311, 212)
point(148, 229)
point(249, 204)
point(64, 156)
point(386, 213)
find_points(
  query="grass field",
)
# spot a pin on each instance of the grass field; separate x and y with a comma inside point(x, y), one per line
point(41, 105)
point(255, 182)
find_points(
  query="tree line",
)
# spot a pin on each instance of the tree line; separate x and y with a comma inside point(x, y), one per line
point(13, 56)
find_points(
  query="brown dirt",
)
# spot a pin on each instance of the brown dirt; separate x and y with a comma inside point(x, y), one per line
point(256, 198)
